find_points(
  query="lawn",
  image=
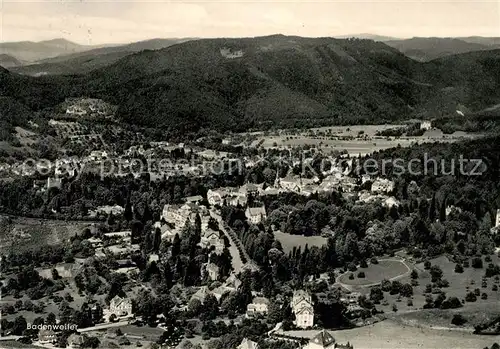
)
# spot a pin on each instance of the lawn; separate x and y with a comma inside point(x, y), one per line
point(375, 273)
point(289, 241)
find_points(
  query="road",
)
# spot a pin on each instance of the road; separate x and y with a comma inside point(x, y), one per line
point(236, 253)
point(103, 326)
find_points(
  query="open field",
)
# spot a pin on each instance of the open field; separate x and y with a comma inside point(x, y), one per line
point(289, 241)
point(392, 335)
point(354, 139)
point(385, 269)
point(459, 285)
point(19, 234)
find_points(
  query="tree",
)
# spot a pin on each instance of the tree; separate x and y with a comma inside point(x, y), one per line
point(470, 297)
point(414, 274)
point(427, 265)
point(376, 295)
point(55, 274)
point(459, 268)
point(19, 326)
point(91, 342)
point(210, 308)
point(406, 290)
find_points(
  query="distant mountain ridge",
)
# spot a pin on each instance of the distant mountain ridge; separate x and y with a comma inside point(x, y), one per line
point(30, 51)
point(87, 60)
point(8, 61)
point(425, 49)
point(273, 81)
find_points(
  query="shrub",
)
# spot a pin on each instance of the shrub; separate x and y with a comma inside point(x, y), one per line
point(487, 259)
point(374, 260)
point(414, 274)
point(477, 292)
point(458, 320)
point(470, 297)
point(466, 263)
point(409, 302)
point(351, 276)
point(484, 296)
point(451, 303)
point(494, 288)
point(459, 268)
point(427, 265)
point(361, 275)
point(363, 264)
point(477, 263)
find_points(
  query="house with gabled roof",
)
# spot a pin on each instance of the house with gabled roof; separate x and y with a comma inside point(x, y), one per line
point(120, 306)
point(256, 214)
point(248, 344)
point(303, 308)
point(325, 340)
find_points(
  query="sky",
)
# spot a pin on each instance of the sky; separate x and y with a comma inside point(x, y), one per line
point(95, 22)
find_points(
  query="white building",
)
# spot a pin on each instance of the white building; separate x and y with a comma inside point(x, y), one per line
point(120, 306)
point(212, 270)
point(382, 185)
point(248, 344)
point(211, 238)
point(46, 336)
point(54, 183)
point(176, 215)
point(259, 305)
point(425, 125)
point(303, 308)
point(256, 214)
point(232, 197)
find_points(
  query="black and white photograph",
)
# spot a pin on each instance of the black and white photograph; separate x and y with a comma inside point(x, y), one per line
point(250, 174)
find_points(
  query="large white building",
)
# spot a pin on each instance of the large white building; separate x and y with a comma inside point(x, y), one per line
point(120, 306)
point(259, 305)
point(303, 308)
point(231, 196)
point(256, 214)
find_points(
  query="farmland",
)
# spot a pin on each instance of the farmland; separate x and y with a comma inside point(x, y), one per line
point(353, 139)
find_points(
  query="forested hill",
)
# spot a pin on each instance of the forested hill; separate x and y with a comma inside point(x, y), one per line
point(274, 81)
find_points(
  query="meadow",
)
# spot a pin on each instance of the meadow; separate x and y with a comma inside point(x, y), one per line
point(21, 233)
point(289, 241)
point(355, 140)
point(393, 335)
point(388, 269)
